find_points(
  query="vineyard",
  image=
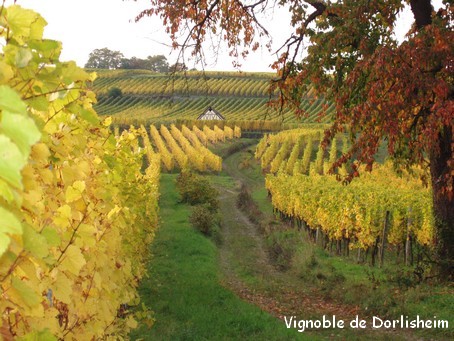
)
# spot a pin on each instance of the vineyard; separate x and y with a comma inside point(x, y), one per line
point(71, 198)
point(158, 98)
point(377, 209)
point(183, 148)
point(123, 217)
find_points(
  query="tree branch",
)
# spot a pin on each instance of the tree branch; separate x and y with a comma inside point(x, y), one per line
point(251, 13)
point(320, 9)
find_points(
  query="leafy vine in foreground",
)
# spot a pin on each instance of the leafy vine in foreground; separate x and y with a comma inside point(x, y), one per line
point(74, 228)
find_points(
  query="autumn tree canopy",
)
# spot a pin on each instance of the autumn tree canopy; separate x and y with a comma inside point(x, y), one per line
point(388, 92)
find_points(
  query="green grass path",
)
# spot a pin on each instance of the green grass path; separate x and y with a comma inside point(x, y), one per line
point(184, 290)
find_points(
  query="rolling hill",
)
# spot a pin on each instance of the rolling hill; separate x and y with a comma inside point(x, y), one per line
point(149, 97)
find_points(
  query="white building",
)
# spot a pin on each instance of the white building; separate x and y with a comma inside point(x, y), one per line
point(211, 114)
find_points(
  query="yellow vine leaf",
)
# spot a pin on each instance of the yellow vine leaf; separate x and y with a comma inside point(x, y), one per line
point(131, 322)
point(7, 72)
point(113, 212)
point(40, 152)
point(62, 288)
point(64, 216)
point(75, 191)
point(86, 236)
point(73, 241)
point(107, 122)
point(73, 260)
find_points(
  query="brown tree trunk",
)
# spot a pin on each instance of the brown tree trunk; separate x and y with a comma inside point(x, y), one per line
point(443, 203)
point(422, 12)
point(440, 172)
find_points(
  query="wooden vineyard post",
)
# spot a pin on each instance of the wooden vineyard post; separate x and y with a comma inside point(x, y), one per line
point(408, 248)
point(383, 239)
point(317, 235)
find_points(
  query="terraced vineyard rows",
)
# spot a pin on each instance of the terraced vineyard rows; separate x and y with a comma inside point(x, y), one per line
point(184, 148)
point(193, 83)
point(298, 151)
point(357, 213)
point(156, 98)
point(377, 208)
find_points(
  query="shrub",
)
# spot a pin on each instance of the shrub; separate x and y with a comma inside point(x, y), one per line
point(246, 203)
point(195, 190)
point(244, 200)
point(114, 92)
point(203, 219)
point(282, 245)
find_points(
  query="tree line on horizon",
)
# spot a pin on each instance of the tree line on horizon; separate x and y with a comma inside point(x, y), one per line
point(108, 59)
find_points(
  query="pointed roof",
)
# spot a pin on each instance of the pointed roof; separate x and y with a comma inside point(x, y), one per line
point(211, 114)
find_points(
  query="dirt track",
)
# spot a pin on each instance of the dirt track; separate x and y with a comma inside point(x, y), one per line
point(249, 273)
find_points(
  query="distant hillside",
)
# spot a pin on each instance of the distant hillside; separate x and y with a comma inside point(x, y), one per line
point(152, 97)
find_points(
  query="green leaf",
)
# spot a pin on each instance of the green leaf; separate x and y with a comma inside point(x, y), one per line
point(11, 162)
point(21, 129)
point(39, 103)
point(110, 160)
point(89, 116)
point(27, 295)
point(9, 223)
point(43, 335)
point(71, 72)
point(24, 22)
point(37, 27)
point(51, 235)
point(11, 101)
point(6, 192)
point(4, 243)
point(47, 48)
point(35, 243)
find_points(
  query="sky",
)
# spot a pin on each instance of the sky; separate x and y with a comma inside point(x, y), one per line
point(85, 25)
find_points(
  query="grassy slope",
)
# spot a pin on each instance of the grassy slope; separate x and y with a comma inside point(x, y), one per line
point(184, 287)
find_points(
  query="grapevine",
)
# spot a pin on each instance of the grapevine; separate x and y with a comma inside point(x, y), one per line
point(75, 227)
